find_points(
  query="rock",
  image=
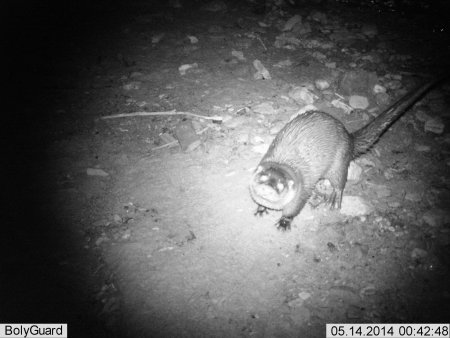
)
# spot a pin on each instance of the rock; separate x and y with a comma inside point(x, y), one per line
point(276, 128)
point(354, 172)
point(357, 82)
point(234, 122)
point(322, 84)
point(185, 133)
point(422, 115)
point(292, 22)
point(358, 102)
point(284, 63)
point(355, 206)
point(300, 315)
point(394, 204)
point(260, 149)
point(422, 148)
point(184, 68)
point(378, 89)
point(318, 16)
point(382, 99)
point(436, 217)
point(238, 55)
point(264, 108)
point(298, 302)
point(418, 254)
point(434, 125)
point(302, 95)
point(157, 38)
point(133, 85)
point(413, 197)
point(96, 172)
point(262, 73)
point(382, 191)
point(302, 29)
point(286, 40)
point(192, 39)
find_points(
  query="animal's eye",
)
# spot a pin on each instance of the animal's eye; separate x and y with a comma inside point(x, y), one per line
point(263, 178)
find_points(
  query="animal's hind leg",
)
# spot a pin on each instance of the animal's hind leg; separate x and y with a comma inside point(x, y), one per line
point(337, 175)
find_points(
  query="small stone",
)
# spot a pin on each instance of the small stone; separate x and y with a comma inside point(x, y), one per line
point(264, 108)
point(418, 253)
point(292, 22)
point(239, 55)
point(184, 68)
point(358, 102)
point(378, 89)
point(382, 99)
point(276, 128)
point(422, 148)
point(436, 217)
point(354, 206)
point(134, 85)
point(302, 95)
point(96, 172)
point(382, 191)
point(394, 204)
point(354, 172)
point(422, 115)
point(262, 73)
point(304, 295)
point(298, 302)
point(261, 148)
point(413, 197)
point(186, 136)
point(322, 84)
point(434, 125)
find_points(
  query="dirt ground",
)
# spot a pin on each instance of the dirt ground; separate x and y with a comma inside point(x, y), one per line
point(110, 230)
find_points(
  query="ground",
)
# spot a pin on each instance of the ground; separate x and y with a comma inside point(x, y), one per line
point(163, 242)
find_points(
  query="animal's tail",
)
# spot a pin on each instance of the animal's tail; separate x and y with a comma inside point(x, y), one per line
point(368, 135)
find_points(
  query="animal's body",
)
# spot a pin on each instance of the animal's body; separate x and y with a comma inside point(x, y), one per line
point(315, 146)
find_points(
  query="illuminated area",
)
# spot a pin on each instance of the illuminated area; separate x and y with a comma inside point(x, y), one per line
point(143, 225)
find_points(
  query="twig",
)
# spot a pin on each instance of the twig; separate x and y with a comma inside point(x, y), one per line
point(171, 112)
point(166, 145)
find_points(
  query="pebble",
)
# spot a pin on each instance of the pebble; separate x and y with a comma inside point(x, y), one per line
point(382, 191)
point(262, 73)
point(413, 197)
point(322, 84)
point(436, 217)
point(302, 95)
point(354, 172)
point(422, 148)
point(358, 102)
point(354, 206)
point(264, 108)
point(261, 148)
point(96, 172)
point(292, 22)
point(418, 253)
point(434, 125)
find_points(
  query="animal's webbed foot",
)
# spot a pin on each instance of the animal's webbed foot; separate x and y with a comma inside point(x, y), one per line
point(260, 211)
point(284, 223)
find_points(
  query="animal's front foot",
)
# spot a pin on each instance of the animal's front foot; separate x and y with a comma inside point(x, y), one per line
point(260, 210)
point(284, 223)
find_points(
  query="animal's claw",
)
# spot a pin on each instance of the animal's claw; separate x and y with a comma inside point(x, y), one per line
point(260, 211)
point(284, 223)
